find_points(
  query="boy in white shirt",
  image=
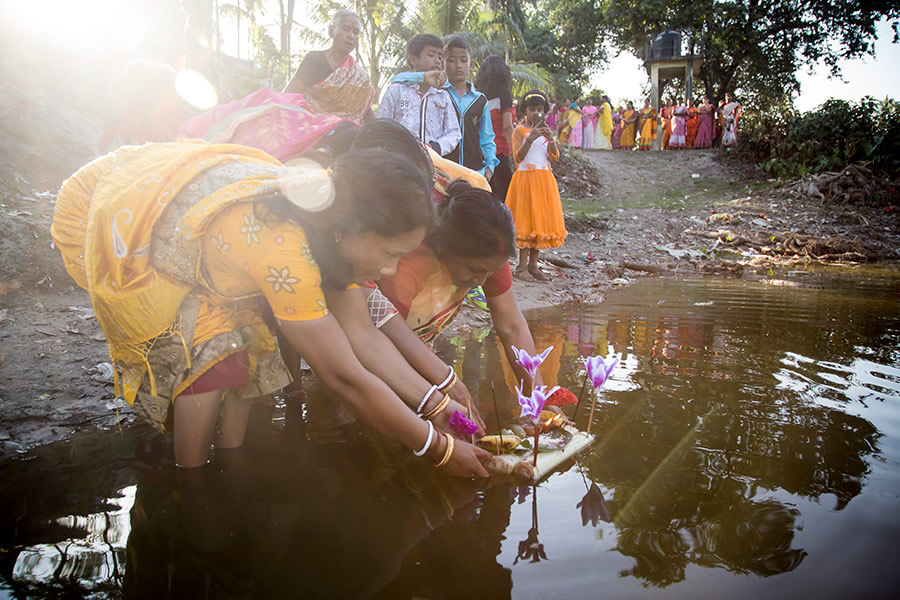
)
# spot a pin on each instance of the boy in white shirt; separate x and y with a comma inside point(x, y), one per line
point(426, 111)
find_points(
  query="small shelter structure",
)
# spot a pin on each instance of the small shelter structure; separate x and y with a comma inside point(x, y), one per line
point(663, 60)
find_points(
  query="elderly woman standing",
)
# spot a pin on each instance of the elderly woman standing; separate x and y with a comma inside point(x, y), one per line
point(330, 80)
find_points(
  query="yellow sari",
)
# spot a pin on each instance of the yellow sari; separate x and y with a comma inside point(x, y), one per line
point(107, 225)
point(626, 141)
point(648, 128)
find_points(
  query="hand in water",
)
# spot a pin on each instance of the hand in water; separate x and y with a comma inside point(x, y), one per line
point(466, 461)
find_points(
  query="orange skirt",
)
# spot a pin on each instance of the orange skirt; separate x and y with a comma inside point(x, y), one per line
point(533, 199)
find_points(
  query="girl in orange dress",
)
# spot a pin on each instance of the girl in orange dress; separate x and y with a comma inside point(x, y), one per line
point(533, 195)
point(666, 113)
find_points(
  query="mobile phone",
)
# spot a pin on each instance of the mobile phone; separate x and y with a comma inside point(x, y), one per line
point(539, 118)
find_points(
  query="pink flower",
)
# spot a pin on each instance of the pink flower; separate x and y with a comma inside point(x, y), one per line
point(461, 425)
point(534, 404)
point(598, 370)
point(528, 362)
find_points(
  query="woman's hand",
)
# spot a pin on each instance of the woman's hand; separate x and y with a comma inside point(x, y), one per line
point(466, 460)
point(544, 130)
point(442, 421)
point(535, 133)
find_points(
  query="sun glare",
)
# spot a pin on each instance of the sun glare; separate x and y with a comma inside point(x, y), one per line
point(195, 89)
point(93, 23)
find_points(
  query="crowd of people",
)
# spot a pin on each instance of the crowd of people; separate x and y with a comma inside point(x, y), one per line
point(297, 224)
point(300, 224)
point(680, 125)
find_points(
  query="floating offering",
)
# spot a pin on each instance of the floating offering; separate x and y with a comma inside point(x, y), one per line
point(514, 457)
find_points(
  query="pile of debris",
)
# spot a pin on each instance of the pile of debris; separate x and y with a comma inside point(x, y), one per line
point(855, 184)
point(576, 175)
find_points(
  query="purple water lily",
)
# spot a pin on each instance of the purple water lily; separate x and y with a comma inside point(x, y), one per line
point(528, 362)
point(461, 425)
point(598, 370)
point(534, 404)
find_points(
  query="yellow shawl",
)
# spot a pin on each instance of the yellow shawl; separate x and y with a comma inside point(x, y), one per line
point(133, 301)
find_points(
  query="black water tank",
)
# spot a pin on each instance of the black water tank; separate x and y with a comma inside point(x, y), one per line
point(666, 45)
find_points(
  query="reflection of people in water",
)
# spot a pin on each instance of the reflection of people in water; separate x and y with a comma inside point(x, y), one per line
point(248, 527)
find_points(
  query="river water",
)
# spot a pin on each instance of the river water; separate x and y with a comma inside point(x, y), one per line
point(748, 445)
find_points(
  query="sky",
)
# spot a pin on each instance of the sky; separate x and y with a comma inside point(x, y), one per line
point(625, 76)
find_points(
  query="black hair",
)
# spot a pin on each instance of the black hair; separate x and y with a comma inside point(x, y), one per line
point(533, 98)
point(419, 42)
point(385, 134)
point(375, 191)
point(494, 77)
point(471, 222)
point(457, 41)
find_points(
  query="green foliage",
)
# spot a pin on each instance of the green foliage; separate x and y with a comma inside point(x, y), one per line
point(756, 47)
point(835, 134)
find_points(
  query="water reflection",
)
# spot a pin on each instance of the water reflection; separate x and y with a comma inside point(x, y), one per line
point(734, 413)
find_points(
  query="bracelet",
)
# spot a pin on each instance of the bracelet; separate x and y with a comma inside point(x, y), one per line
point(425, 399)
point(427, 441)
point(447, 379)
point(447, 389)
point(435, 447)
point(447, 453)
point(437, 409)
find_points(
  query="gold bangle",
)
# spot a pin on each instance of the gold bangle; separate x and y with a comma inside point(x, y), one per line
point(449, 385)
point(437, 409)
point(447, 453)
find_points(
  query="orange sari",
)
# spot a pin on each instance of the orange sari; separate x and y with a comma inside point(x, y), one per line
point(692, 123)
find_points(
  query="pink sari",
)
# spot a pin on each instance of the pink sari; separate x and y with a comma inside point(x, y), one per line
point(282, 125)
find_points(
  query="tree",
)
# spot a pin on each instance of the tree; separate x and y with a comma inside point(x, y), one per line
point(753, 45)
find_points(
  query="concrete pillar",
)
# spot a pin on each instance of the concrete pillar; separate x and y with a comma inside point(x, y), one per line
point(654, 101)
point(688, 81)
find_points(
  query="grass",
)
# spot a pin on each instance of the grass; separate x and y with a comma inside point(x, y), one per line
point(689, 194)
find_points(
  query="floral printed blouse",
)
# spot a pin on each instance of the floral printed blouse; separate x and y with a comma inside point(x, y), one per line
point(244, 255)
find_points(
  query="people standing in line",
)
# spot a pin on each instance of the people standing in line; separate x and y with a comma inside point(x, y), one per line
point(603, 139)
point(330, 80)
point(425, 110)
point(533, 196)
point(679, 125)
point(705, 116)
point(731, 112)
point(647, 126)
point(494, 80)
point(629, 125)
point(589, 115)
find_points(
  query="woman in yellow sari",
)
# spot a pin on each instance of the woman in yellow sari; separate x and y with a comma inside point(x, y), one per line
point(574, 117)
point(190, 253)
point(331, 80)
point(629, 119)
point(604, 126)
point(647, 126)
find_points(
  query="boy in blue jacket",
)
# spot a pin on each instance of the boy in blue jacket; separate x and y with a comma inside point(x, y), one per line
point(477, 149)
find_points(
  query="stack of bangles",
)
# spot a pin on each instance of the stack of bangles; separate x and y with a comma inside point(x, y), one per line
point(444, 387)
point(433, 443)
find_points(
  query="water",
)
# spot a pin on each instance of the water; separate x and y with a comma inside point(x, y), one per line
point(748, 445)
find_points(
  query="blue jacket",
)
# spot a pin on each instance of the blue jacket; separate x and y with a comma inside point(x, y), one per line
point(468, 151)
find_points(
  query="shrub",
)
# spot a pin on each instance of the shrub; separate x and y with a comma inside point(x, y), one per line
point(838, 133)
